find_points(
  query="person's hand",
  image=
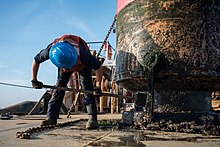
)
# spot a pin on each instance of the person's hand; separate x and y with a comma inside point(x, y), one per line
point(97, 91)
point(37, 84)
point(101, 60)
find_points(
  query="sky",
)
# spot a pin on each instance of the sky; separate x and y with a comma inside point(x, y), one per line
point(27, 26)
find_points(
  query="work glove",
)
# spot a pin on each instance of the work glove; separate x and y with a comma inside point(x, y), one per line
point(37, 84)
point(101, 60)
point(97, 91)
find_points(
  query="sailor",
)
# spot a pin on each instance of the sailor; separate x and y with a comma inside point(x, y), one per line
point(70, 54)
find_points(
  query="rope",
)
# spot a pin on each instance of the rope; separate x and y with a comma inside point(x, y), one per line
point(99, 138)
point(106, 37)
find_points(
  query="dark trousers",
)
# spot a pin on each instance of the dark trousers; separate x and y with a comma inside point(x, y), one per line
point(58, 95)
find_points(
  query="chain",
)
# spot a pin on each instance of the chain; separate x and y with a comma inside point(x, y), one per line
point(106, 37)
point(27, 133)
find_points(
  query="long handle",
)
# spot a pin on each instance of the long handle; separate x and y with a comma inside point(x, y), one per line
point(104, 93)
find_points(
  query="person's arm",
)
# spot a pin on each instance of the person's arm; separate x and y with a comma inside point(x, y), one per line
point(35, 67)
point(99, 73)
point(42, 56)
point(90, 60)
point(35, 83)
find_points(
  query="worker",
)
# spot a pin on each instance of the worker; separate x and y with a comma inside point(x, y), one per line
point(70, 54)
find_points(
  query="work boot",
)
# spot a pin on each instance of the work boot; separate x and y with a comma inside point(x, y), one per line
point(92, 112)
point(48, 121)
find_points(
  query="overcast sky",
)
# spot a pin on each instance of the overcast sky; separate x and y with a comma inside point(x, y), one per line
point(27, 26)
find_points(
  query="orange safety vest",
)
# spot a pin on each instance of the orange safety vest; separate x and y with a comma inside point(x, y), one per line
point(74, 41)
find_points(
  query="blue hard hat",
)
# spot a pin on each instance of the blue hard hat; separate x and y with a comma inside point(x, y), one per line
point(63, 55)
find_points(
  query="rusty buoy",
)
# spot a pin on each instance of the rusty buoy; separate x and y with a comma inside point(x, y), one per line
point(179, 41)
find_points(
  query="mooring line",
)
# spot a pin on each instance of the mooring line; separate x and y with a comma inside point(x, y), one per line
point(99, 138)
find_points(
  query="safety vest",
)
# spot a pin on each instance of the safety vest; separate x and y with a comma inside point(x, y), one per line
point(74, 41)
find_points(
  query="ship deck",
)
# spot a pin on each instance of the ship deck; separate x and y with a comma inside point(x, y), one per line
point(76, 135)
